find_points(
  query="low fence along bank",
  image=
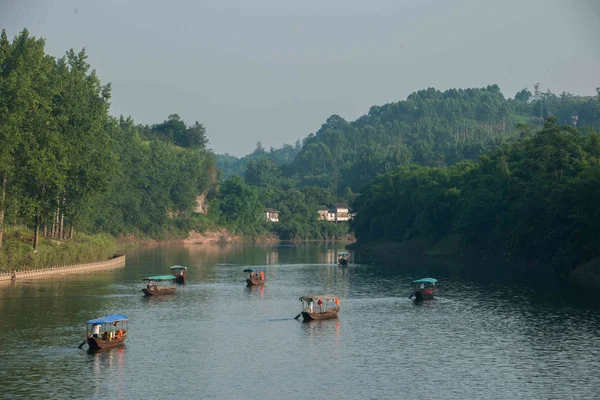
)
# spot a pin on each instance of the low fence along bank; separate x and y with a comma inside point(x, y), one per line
point(116, 262)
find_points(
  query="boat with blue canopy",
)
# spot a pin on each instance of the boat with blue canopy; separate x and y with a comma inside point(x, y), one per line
point(256, 276)
point(180, 273)
point(105, 332)
point(159, 285)
point(343, 258)
point(424, 289)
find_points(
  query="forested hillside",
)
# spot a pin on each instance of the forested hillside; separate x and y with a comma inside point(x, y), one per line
point(230, 165)
point(65, 163)
point(534, 199)
point(429, 129)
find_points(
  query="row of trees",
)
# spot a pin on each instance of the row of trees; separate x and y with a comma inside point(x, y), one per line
point(431, 128)
point(65, 162)
point(53, 156)
point(241, 205)
point(534, 199)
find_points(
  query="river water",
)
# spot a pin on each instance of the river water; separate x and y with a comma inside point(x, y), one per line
point(218, 339)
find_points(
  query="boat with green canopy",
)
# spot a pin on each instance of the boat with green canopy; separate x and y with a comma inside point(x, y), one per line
point(423, 289)
point(256, 276)
point(159, 285)
point(180, 273)
point(320, 307)
point(343, 258)
point(106, 332)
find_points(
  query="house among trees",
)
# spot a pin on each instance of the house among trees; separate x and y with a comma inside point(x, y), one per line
point(271, 215)
point(326, 214)
point(341, 212)
point(338, 212)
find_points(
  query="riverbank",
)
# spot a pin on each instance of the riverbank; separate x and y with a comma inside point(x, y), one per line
point(118, 261)
point(17, 250)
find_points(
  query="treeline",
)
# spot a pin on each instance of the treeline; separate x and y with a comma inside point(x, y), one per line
point(430, 128)
point(242, 201)
point(230, 165)
point(65, 163)
point(533, 199)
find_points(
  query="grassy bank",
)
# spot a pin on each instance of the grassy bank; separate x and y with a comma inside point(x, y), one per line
point(17, 251)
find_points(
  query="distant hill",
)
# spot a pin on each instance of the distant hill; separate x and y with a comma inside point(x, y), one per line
point(430, 127)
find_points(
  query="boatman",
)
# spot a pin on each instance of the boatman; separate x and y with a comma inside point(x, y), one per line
point(96, 330)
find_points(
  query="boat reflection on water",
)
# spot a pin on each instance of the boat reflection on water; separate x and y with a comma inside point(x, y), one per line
point(328, 327)
point(107, 359)
point(256, 290)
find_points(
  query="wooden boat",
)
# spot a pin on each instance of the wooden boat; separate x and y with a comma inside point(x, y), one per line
point(106, 332)
point(343, 258)
point(424, 289)
point(256, 276)
point(163, 288)
point(320, 307)
point(180, 273)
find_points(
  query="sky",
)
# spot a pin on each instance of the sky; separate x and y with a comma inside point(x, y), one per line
point(273, 71)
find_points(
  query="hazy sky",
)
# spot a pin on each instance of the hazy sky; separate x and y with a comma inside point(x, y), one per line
point(274, 70)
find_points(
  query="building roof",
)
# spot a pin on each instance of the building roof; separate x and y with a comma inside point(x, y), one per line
point(271, 210)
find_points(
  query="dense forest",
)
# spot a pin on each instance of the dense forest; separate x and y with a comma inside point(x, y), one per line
point(532, 199)
point(66, 164)
point(430, 131)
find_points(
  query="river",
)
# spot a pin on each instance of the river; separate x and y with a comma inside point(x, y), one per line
point(218, 339)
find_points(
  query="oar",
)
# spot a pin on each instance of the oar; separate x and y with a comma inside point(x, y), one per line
point(82, 343)
point(411, 295)
point(297, 316)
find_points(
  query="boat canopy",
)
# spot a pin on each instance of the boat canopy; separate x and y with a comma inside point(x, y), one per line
point(324, 297)
point(342, 253)
point(107, 319)
point(425, 280)
point(253, 269)
point(159, 278)
point(178, 267)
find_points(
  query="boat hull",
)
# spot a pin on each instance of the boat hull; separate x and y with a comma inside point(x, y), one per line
point(420, 295)
point(158, 292)
point(252, 282)
point(180, 280)
point(101, 344)
point(327, 314)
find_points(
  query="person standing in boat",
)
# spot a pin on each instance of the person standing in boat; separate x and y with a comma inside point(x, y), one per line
point(96, 331)
point(13, 274)
point(320, 304)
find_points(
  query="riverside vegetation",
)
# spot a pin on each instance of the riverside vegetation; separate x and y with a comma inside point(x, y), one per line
point(516, 174)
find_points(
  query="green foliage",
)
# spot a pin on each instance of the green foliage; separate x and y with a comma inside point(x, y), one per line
point(533, 199)
point(17, 253)
point(64, 162)
point(240, 208)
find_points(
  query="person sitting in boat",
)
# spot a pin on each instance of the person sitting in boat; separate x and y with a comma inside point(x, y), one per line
point(182, 272)
point(422, 286)
point(96, 331)
point(150, 284)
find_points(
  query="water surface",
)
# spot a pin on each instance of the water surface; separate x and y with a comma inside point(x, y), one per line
point(218, 339)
